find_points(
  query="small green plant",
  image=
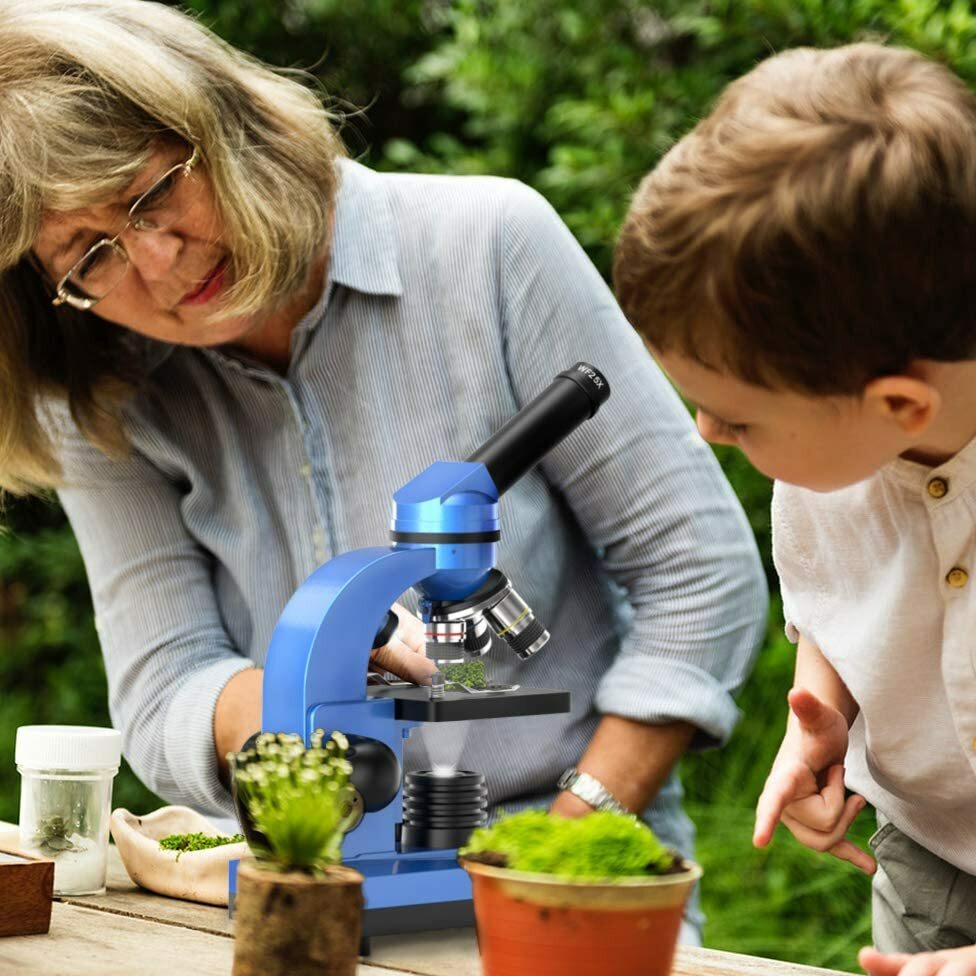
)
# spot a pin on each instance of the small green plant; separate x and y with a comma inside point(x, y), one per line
point(299, 799)
point(602, 845)
point(197, 842)
point(471, 674)
point(53, 836)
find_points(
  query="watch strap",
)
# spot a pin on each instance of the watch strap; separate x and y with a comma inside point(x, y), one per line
point(590, 790)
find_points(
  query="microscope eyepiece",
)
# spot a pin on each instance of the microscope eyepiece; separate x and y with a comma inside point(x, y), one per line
point(573, 396)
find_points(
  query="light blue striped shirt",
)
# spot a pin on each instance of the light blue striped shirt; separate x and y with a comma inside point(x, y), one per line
point(450, 303)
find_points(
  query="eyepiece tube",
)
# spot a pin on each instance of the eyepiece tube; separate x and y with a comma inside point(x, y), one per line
point(573, 396)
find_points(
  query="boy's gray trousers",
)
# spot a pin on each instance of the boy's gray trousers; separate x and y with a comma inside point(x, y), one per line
point(920, 903)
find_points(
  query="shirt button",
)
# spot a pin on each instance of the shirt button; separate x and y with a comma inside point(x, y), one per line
point(306, 470)
point(957, 577)
point(938, 488)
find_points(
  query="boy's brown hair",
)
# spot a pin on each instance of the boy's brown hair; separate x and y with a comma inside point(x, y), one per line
point(818, 228)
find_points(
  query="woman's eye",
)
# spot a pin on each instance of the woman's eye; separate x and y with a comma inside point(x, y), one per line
point(155, 197)
point(93, 262)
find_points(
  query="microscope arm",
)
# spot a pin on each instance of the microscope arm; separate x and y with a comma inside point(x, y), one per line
point(319, 652)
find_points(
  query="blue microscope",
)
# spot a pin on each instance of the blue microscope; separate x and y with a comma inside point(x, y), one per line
point(444, 536)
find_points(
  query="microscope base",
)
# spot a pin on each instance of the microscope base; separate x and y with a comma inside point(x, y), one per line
point(418, 918)
point(416, 892)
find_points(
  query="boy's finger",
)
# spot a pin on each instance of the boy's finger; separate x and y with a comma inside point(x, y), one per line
point(925, 964)
point(956, 966)
point(832, 839)
point(881, 963)
point(847, 851)
point(780, 791)
point(771, 804)
point(854, 804)
point(822, 811)
point(812, 713)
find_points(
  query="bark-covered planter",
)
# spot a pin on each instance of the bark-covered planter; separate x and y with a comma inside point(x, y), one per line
point(298, 911)
point(293, 924)
point(544, 924)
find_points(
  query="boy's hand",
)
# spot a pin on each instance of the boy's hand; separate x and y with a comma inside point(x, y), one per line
point(805, 788)
point(948, 962)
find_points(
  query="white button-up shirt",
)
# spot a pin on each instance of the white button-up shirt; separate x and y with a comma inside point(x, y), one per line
point(879, 576)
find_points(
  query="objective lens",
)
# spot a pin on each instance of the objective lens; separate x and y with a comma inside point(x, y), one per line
point(513, 620)
point(477, 640)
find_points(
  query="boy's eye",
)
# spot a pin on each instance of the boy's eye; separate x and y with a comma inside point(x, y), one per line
point(730, 430)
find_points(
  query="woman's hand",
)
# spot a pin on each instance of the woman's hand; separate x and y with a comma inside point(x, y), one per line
point(948, 962)
point(805, 788)
point(406, 653)
point(238, 711)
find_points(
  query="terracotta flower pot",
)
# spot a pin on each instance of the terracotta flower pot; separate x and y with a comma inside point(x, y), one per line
point(540, 925)
point(294, 924)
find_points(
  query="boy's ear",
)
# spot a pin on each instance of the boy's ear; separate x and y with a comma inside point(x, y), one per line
point(911, 403)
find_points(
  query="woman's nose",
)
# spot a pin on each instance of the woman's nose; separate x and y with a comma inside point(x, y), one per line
point(152, 252)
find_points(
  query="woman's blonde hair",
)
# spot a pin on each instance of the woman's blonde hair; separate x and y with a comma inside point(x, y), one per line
point(817, 229)
point(88, 90)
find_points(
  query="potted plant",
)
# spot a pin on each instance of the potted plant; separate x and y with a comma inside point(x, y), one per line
point(558, 897)
point(298, 910)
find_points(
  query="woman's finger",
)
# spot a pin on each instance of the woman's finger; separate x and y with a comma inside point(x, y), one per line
point(401, 660)
point(410, 630)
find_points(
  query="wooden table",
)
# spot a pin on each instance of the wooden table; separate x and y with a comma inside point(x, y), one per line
point(132, 932)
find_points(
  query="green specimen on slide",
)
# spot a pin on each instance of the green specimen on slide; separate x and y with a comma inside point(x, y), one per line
point(471, 674)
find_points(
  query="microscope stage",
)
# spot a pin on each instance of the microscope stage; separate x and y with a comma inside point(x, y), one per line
point(414, 704)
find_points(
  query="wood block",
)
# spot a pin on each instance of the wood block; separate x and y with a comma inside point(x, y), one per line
point(28, 889)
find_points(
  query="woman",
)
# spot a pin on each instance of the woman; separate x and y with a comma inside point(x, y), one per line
point(231, 344)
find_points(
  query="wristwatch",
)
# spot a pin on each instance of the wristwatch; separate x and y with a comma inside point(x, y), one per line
point(590, 790)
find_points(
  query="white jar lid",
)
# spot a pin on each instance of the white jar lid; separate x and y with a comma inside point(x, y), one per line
point(67, 747)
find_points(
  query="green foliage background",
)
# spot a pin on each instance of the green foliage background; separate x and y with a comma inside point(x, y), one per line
point(578, 98)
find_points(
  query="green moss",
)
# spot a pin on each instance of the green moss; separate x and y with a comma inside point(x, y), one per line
point(602, 845)
point(471, 673)
point(197, 842)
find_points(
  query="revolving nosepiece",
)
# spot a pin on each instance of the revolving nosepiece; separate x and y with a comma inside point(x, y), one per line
point(462, 627)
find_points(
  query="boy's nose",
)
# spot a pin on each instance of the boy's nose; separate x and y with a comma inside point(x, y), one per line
point(711, 430)
point(153, 253)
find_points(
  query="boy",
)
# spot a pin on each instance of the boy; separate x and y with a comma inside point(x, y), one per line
point(803, 265)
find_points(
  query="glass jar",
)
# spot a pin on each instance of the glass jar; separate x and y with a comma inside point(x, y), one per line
point(66, 800)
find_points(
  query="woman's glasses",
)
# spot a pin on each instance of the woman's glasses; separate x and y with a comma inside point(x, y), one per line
point(105, 263)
